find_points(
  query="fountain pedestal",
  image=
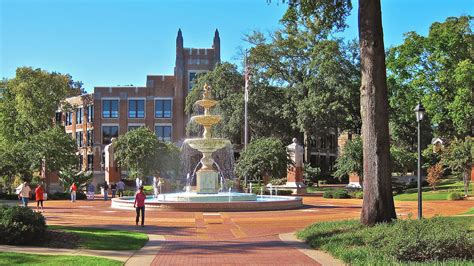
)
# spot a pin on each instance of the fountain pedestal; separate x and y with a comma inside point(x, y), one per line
point(206, 182)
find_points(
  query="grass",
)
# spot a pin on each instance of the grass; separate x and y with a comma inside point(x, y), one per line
point(11, 258)
point(105, 239)
point(470, 211)
point(356, 244)
point(441, 193)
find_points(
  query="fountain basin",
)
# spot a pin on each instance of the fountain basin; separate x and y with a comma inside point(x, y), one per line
point(206, 120)
point(191, 201)
point(207, 145)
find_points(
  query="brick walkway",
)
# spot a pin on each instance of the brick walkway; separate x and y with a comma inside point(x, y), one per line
point(231, 238)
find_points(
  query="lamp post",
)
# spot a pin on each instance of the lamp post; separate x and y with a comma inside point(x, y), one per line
point(420, 113)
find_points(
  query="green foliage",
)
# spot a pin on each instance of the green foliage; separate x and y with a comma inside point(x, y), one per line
point(429, 157)
point(265, 156)
point(143, 154)
point(434, 240)
point(20, 225)
point(27, 136)
point(403, 160)
point(437, 69)
point(455, 196)
point(310, 174)
point(336, 194)
point(458, 157)
point(11, 258)
point(69, 176)
point(350, 161)
point(66, 195)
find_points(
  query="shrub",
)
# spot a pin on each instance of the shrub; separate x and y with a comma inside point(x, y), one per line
point(455, 196)
point(340, 194)
point(357, 194)
point(278, 181)
point(328, 194)
point(20, 225)
point(65, 195)
point(435, 173)
point(7, 196)
point(284, 192)
point(434, 239)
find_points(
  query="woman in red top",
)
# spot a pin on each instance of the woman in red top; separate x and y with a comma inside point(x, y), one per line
point(139, 205)
point(39, 197)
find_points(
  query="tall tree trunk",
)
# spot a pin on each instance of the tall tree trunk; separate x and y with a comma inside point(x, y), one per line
point(378, 203)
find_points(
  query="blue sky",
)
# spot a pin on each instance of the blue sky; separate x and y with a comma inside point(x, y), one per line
point(119, 42)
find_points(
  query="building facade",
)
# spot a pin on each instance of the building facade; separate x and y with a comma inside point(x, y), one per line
point(94, 119)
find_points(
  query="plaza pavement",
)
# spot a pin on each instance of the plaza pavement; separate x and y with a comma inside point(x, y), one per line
point(226, 238)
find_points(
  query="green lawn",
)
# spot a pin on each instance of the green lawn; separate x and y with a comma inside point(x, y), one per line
point(441, 193)
point(106, 239)
point(356, 244)
point(10, 258)
point(470, 211)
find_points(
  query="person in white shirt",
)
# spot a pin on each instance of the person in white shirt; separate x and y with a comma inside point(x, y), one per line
point(24, 193)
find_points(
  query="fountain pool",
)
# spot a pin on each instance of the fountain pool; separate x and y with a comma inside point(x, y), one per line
point(223, 201)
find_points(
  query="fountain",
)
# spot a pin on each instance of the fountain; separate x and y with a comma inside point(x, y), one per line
point(210, 194)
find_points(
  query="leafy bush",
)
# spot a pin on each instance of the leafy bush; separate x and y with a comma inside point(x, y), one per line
point(423, 240)
point(328, 194)
point(20, 225)
point(336, 194)
point(435, 240)
point(284, 192)
point(356, 194)
point(6, 196)
point(65, 195)
point(278, 181)
point(340, 194)
point(455, 196)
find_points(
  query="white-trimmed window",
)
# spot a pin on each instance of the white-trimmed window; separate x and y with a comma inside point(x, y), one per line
point(136, 108)
point(163, 108)
point(163, 132)
point(110, 108)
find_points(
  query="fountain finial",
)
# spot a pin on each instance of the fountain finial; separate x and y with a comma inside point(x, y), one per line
point(207, 92)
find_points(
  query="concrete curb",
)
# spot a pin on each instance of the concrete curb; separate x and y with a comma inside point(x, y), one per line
point(147, 254)
point(321, 257)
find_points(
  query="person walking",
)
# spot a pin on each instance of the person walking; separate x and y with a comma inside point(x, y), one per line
point(120, 188)
point(91, 191)
point(39, 191)
point(24, 193)
point(113, 187)
point(139, 205)
point(106, 190)
point(73, 190)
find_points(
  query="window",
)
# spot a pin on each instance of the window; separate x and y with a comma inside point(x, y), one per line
point(90, 161)
point(110, 109)
point(90, 113)
point(68, 118)
point(163, 108)
point(136, 108)
point(192, 77)
point(80, 162)
point(163, 133)
point(58, 117)
point(109, 132)
point(79, 116)
point(90, 138)
point(79, 139)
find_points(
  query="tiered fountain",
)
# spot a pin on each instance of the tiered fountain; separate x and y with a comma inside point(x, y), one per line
point(207, 196)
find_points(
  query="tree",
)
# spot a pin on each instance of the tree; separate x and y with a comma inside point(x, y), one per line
point(320, 73)
point(437, 69)
point(69, 176)
point(141, 153)
point(378, 205)
point(435, 173)
point(350, 160)
point(458, 157)
point(403, 160)
point(263, 157)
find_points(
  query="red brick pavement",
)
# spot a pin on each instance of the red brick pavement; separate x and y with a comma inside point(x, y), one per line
point(222, 238)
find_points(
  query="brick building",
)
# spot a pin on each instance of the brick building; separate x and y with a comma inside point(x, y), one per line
point(159, 105)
